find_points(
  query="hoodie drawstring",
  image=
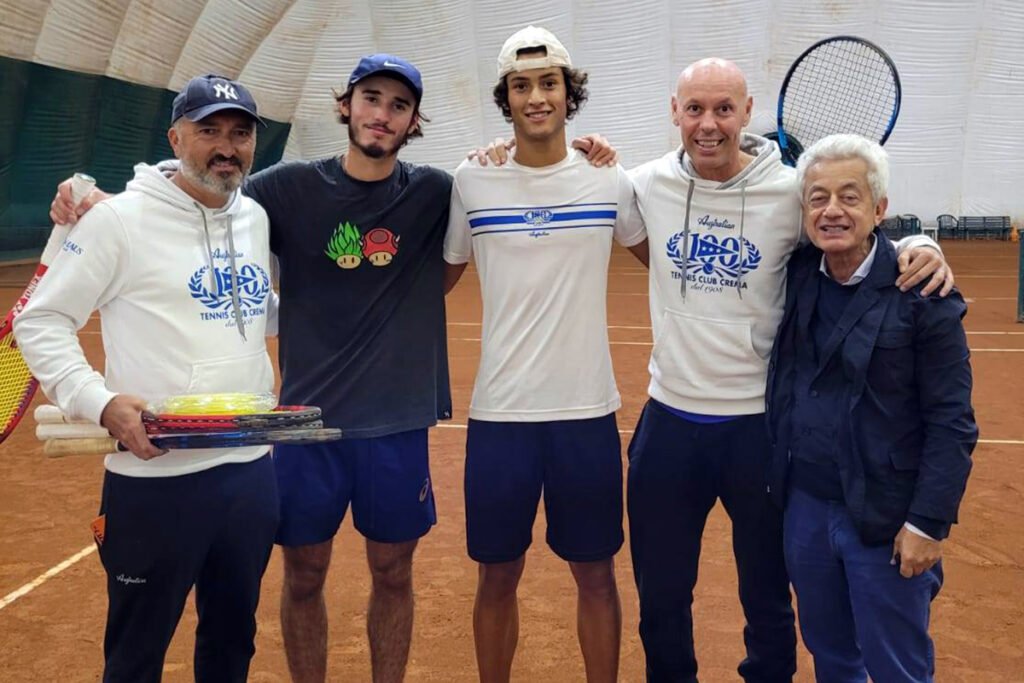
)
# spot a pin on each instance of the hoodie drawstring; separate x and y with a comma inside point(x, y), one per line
point(686, 238)
point(235, 303)
point(233, 282)
point(743, 215)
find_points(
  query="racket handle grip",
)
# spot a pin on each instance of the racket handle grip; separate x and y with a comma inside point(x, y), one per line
point(48, 432)
point(48, 414)
point(60, 448)
point(81, 185)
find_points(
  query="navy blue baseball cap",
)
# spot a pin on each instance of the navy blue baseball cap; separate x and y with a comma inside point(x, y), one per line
point(392, 66)
point(205, 95)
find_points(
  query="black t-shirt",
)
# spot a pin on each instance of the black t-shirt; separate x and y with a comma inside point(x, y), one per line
point(362, 329)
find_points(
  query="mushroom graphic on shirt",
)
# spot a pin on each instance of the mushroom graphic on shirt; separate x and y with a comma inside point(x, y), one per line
point(380, 246)
point(345, 246)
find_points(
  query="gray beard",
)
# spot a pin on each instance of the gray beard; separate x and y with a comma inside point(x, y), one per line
point(210, 181)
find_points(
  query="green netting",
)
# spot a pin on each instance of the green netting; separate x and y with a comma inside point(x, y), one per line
point(55, 122)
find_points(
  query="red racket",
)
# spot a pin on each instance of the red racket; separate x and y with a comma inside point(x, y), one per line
point(280, 417)
point(17, 385)
point(176, 423)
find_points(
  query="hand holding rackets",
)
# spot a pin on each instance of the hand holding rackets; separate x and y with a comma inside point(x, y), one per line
point(842, 84)
point(122, 417)
point(284, 424)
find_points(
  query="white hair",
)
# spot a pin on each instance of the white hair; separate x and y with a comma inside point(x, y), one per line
point(845, 146)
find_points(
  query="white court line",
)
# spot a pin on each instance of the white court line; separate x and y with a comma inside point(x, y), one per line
point(627, 432)
point(47, 575)
point(647, 343)
point(625, 327)
point(647, 328)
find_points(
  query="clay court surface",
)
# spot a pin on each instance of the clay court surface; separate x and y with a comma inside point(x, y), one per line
point(55, 631)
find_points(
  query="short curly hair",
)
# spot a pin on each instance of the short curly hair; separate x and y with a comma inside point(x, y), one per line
point(575, 90)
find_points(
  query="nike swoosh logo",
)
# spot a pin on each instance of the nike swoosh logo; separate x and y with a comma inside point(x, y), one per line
point(397, 66)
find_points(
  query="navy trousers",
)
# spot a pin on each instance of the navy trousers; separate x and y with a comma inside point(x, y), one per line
point(858, 615)
point(212, 529)
point(677, 470)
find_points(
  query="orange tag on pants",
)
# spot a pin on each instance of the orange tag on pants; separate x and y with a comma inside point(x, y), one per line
point(99, 528)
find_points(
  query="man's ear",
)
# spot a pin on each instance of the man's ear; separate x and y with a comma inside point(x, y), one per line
point(174, 139)
point(880, 209)
point(675, 111)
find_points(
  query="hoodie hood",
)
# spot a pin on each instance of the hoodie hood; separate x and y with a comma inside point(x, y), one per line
point(156, 182)
point(762, 149)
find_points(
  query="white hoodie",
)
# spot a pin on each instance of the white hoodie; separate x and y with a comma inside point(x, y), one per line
point(714, 328)
point(157, 265)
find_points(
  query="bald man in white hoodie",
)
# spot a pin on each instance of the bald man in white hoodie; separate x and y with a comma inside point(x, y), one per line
point(723, 217)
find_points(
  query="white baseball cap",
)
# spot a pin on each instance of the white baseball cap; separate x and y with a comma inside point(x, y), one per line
point(531, 37)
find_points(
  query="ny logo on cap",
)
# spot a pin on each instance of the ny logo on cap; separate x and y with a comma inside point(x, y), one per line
point(225, 90)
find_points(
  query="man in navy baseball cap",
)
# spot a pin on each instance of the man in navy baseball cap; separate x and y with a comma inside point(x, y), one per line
point(204, 95)
point(388, 65)
point(381, 107)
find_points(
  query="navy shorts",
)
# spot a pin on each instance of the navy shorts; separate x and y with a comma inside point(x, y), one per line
point(386, 479)
point(578, 466)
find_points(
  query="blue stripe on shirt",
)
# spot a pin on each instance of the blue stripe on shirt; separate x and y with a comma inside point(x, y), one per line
point(534, 208)
point(559, 217)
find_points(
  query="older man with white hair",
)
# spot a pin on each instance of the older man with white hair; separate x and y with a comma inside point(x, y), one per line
point(723, 217)
point(870, 412)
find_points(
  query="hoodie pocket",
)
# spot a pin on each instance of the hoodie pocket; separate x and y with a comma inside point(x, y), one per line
point(699, 357)
point(252, 372)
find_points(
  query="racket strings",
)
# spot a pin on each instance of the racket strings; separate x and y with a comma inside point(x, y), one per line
point(840, 86)
point(16, 383)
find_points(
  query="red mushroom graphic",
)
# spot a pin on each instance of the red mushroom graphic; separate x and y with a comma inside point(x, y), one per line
point(380, 246)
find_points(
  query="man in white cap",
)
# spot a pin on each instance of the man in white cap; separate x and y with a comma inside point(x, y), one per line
point(542, 417)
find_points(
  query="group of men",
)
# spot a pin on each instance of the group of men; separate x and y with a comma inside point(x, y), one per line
point(367, 247)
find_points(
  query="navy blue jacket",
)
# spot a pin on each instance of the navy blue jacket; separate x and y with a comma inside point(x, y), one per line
point(907, 429)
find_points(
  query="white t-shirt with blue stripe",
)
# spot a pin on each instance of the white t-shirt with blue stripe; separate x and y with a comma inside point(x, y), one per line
point(541, 239)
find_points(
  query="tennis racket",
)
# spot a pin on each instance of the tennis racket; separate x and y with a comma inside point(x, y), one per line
point(56, 448)
point(279, 417)
point(17, 385)
point(841, 84)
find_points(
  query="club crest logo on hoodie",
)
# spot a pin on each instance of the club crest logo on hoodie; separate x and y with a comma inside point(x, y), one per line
point(712, 261)
point(214, 292)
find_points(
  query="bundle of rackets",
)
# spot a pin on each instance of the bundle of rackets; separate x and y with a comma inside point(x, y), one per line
point(177, 430)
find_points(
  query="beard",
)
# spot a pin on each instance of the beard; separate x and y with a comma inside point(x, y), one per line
point(221, 183)
point(375, 150)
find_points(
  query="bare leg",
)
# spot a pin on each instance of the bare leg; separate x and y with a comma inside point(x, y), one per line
point(303, 612)
point(389, 614)
point(496, 619)
point(598, 618)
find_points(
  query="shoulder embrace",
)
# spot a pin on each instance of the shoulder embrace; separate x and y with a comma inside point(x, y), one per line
point(951, 304)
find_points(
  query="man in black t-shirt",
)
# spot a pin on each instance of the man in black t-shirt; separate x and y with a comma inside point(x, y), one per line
point(362, 334)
